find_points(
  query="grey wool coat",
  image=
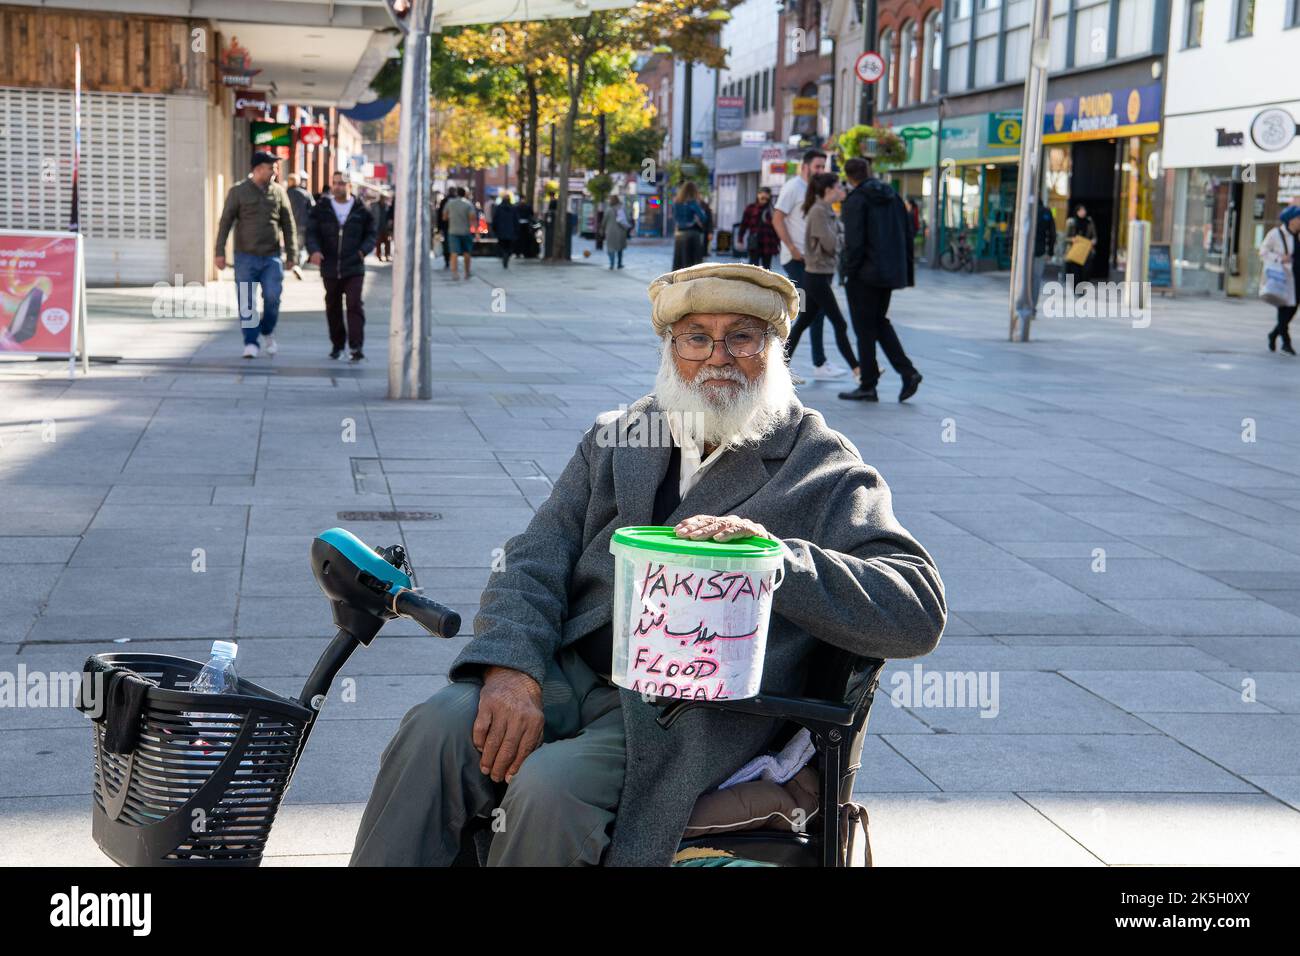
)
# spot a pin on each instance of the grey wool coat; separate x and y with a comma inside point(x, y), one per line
point(856, 580)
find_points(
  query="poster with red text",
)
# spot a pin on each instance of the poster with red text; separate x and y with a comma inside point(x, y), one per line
point(39, 286)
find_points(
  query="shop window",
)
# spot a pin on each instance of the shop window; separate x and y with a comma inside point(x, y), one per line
point(1243, 24)
point(959, 9)
point(1136, 27)
point(1201, 199)
point(1195, 20)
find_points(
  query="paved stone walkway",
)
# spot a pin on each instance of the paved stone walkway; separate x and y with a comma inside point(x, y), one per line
point(1119, 555)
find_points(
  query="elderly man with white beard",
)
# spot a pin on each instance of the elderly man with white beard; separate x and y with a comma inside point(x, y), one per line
point(531, 756)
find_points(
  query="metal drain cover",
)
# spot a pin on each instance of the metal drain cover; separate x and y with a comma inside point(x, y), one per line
point(389, 516)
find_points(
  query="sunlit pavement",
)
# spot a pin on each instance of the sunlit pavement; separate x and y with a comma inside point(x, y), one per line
point(1114, 510)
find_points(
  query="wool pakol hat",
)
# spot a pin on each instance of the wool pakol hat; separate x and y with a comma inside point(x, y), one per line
point(724, 287)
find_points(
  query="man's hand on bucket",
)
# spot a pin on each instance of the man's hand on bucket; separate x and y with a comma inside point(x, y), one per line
point(727, 528)
point(509, 723)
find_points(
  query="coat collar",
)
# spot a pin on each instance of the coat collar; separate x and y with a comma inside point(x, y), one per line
point(733, 479)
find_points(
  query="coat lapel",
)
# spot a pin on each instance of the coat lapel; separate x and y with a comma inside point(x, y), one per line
point(639, 461)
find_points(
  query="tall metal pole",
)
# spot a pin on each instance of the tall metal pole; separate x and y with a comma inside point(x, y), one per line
point(687, 94)
point(1031, 154)
point(867, 103)
point(410, 373)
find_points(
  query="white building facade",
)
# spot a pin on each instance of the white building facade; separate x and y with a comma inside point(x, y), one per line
point(751, 39)
point(1232, 105)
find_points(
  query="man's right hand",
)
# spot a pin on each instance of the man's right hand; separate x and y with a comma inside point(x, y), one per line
point(509, 723)
point(317, 258)
point(219, 262)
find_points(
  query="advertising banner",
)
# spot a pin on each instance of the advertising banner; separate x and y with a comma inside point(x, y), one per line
point(271, 134)
point(40, 292)
point(730, 114)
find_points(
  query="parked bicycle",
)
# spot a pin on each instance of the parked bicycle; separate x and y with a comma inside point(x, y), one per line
point(958, 255)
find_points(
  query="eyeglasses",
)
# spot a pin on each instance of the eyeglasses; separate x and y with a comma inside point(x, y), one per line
point(698, 347)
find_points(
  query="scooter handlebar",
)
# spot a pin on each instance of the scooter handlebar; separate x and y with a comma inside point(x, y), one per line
point(438, 620)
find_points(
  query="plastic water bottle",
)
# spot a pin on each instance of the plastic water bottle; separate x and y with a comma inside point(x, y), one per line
point(218, 675)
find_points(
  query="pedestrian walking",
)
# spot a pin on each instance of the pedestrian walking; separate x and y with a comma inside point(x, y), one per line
point(1044, 247)
point(756, 234)
point(692, 224)
point(789, 222)
point(615, 227)
point(526, 232)
point(505, 226)
point(821, 255)
point(1281, 275)
point(340, 234)
point(1081, 236)
point(461, 218)
point(384, 211)
point(878, 250)
point(260, 214)
point(300, 202)
point(441, 226)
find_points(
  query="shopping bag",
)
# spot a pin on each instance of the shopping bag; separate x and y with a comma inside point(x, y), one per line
point(1277, 285)
point(1079, 251)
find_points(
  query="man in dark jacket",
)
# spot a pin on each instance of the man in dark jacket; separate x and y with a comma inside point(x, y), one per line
point(340, 234)
point(1044, 246)
point(301, 202)
point(878, 243)
point(505, 227)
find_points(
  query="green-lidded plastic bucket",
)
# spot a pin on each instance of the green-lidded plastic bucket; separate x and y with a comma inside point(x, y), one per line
point(690, 617)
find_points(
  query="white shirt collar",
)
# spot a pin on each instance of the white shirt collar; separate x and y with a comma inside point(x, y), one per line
point(694, 464)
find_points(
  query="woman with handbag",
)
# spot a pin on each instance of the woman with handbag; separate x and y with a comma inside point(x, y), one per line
point(821, 255)
point(757, 232)
point(1281, 275)
point(615, 227)
point(1080, 243)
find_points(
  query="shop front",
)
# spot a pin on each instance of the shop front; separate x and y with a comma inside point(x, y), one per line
point(913, 179)
point(1100, 152)
point(1233, 172)
point(737, 177)
point(978, 161)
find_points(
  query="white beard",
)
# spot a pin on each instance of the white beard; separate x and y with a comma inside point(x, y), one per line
point(721, 416)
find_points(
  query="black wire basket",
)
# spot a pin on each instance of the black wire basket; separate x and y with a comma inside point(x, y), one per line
point(207, 772)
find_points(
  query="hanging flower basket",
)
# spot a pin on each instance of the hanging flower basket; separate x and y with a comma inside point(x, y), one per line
point(879, 144)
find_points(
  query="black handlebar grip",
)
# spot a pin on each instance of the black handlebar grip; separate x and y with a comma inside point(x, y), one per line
point(437, 619)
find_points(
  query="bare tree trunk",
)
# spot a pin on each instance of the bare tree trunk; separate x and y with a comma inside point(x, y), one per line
point(577, 80)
